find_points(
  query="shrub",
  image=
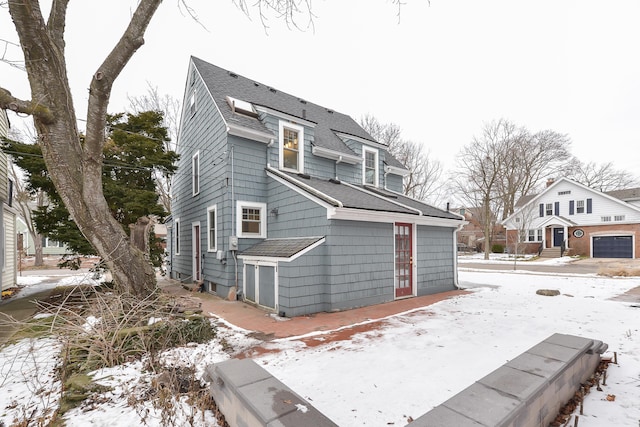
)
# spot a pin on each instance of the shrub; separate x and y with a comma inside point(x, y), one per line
point(497, 248)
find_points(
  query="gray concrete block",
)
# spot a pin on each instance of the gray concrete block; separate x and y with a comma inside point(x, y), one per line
point(441, 416)
point(536, 365)
point(519, 384)
point(571, 341)
point(303, 416)
point(554, 351)
point(270, 399)
point(240, 371)
point(483, 404)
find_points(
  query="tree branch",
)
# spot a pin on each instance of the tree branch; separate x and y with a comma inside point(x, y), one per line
point(57, 22)
point(10, 102)
point(114, 63)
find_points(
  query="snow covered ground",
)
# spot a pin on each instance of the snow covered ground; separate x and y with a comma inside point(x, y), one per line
point(412, 362)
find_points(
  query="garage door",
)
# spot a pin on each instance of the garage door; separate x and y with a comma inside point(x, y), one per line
point(613, 247)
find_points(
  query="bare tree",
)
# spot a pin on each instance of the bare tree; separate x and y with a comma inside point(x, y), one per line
point(477, 176)
point(602, 177)
point(170, 108)
point(423, 181)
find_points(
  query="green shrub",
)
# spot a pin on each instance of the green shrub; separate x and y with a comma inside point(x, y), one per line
point(497, 248)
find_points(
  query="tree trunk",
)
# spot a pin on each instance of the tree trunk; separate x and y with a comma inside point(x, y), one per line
point(37, 249)
point(75, 167)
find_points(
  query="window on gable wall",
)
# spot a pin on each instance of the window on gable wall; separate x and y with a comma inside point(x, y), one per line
point(212, 225)
point(579, 206)
point(291, 147)
point(195, 173)
point(549, 208)
point(192, 103)
point(370, 166)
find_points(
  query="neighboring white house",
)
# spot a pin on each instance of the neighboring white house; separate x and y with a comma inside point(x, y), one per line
point(569, 217)
point(7, 216)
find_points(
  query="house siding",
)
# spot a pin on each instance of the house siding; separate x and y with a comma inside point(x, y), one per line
point(362, 264)
point(435, 260)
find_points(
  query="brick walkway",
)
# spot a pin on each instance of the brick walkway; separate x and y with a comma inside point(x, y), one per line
point(269, 326)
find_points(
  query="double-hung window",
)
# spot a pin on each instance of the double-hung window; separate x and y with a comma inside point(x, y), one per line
point(579, 206)
point(195, 173)
point(212, 227)
point(291, 147)
point(252, 219)
point(549, 209)
point(176, 231)
point(370, 166)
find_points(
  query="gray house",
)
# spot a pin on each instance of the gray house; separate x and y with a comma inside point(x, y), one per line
point(294, 207)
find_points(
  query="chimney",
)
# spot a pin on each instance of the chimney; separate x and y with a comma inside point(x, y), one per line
point(550, 181)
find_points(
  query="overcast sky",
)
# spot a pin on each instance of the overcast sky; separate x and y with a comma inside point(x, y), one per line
point(439, 71)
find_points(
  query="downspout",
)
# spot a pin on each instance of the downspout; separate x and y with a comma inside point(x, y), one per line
point(233, 223)
point(456, 282)
point(338, 161)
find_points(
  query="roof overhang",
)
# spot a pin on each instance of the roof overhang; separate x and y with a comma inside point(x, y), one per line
point(350, 214)
point(252, 134)
point(396, 171)
point(266, 258)
point(338, 156)
point(557, 220)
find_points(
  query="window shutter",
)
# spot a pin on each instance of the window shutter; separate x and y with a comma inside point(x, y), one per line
point(589, 205)
point(571, 206)
point(541, 209)
point(556, 208)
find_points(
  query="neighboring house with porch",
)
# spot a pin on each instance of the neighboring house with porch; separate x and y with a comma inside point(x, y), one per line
point(7, 216)
point(293, 206)
point(571, 218)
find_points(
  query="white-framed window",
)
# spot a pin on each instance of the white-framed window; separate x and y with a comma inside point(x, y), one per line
point(251, 219)
point(549, 208)
point(212, 229)
point(532, 235)
point(535, 235)
point(195, 173)
point(579, 206)
point(605, 218)
point(50, 243)
point(192, 103)
point(370, 166)
point(618, 218)
point(291, 147)
point(176, 232)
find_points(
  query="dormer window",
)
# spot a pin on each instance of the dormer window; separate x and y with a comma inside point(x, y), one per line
point(291, 147)
point(241, 107)
point(370, 166)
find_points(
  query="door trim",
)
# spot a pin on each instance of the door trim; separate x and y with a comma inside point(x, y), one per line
point(196, 251)
point(410, 290)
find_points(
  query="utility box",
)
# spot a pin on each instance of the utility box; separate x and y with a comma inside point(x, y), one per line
point(233, 243)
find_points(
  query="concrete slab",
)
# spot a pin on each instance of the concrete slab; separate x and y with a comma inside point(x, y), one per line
point(270, 399)
point(519, 384)
point(443, 416)
point(240, 372)
point(536, 365)
point(483, 404)
point(571, 341)
point(554, 351)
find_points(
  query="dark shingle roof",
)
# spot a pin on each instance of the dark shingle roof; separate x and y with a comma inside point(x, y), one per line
point(358, 197)
point(626, 194)
point(280, 248)
point(222, 83)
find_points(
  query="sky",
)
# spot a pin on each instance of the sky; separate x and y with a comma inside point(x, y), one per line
point(422, 357)
point(439, 70)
